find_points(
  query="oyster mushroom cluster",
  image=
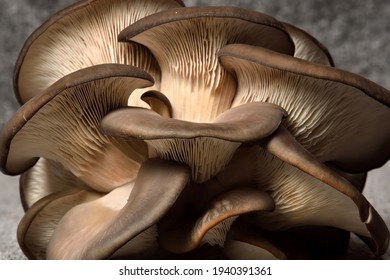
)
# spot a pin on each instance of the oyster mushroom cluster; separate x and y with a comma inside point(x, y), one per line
point(152, 130)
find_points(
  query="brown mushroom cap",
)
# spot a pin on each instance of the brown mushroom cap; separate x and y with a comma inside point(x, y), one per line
point(90, 39)
point(246, 123)
point(336, 115)
point(158, 102)
point(185, 42)
point(205, 147)
point(307, 47)
point(62, 124)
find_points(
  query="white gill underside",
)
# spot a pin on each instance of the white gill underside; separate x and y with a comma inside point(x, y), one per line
point(66, 130)
point(47, 177)
point(192, 78)
point(322, 115)
point(86, 38)
point(206, 156)
point(301, 199)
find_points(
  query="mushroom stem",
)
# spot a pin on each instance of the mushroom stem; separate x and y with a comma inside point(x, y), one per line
point(284, 146)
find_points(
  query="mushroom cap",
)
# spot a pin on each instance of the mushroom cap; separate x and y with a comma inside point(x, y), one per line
point(62, 124)
point(91, 33)
point(192, 77)
point(307, 47)
point(246, 123)
point(336, 115)
point(358, 214)
point(205, 147)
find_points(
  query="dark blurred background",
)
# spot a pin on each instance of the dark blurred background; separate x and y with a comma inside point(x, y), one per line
point(356, 32)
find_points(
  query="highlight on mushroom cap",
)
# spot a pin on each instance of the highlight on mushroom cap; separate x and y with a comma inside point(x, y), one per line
point(150, 130)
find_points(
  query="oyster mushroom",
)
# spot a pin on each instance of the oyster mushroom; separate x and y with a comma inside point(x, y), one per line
point(360, 103)
point(299, 81)
point(191, 75)
point(243, 145)
point(307, 47)
point(90, 38)
point(205, 147)
point(62, 124)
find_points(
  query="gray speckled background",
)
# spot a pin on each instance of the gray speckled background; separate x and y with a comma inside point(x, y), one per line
point(356, 32)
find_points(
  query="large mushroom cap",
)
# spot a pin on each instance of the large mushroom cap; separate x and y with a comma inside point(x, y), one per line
point(62, 124)
point(205, 147)
point(336, 115)
point(185, 42)
point(90, 38)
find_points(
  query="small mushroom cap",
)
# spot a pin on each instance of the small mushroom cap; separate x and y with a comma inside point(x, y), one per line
point(62, 124)
point(158, 102)
point(307, 47)
point(90, 39)
point(336, 115)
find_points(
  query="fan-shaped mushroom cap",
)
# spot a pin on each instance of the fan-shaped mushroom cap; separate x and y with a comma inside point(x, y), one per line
point(83, 35)
point(205, 147)
point(336, 115)
point(185, 42)
point(318, 198)
point(62, 124)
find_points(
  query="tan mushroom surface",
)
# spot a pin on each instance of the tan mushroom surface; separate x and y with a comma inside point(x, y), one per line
point(184, 131)
point(62, 125)
point(91, 34)
point(191, 75)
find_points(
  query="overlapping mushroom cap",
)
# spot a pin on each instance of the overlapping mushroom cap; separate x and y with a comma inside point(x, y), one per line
point(168, 130)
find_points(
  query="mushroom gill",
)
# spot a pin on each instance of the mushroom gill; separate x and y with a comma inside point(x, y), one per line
point(82, 35)
point(62, 124)
point(191, 75)
point(152, 130)
point(334, 114)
